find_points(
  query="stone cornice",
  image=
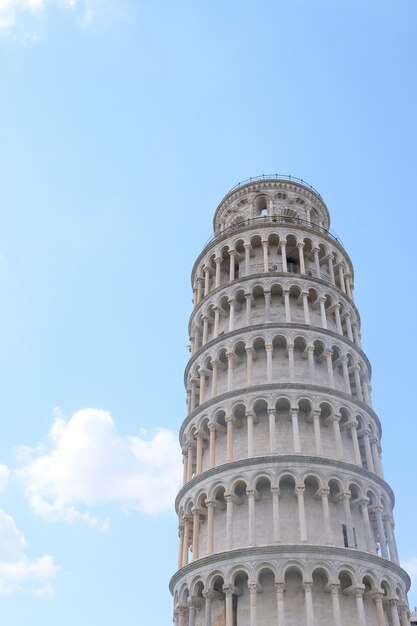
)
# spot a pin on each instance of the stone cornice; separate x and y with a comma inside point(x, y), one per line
point(279, 325)
point(268, 387)
point(292, 550)
point(291, 460)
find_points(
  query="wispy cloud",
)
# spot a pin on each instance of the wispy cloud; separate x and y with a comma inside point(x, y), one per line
point(26, 14)
point(17, 571)
point(86, 463)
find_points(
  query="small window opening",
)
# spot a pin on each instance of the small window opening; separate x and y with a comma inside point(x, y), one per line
point(345, 536)
point(292, 265)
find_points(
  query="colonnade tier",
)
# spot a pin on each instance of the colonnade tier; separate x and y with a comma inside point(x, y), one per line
point(267, 249)
point(293, 500)
point(276, 298)
point(283, 426)
point(289, 586)
point(276, 353)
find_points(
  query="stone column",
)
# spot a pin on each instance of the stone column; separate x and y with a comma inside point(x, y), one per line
point(356, 370)
point(247, 247)
point(359, 591)
point(336, 605)
point(370, 542)
point(365, 390)
point(182, 615)
point(275, 514)
point(229, 605)
point(356, 337)
point(341, 278)
point(217, 261)
point(354, 435)
point(211, 505)
point(338, 319)
point(215, 366)
point(338, 436)
point(375, 457)
point(331, 269)
point(377, 598)
point(251, 508)
point(181, 544)
point(280, 603)
point(249, 421)
point(368, 453)
point(291, 364)
point(391, 539)
point(199, 456)
point(381, 531)
point(193, 394)
point(267, 297)
point(202, 386)
point(394, 612)
point(229, 497)
point(300, 247)
point(405, 620)
point(229, 425)
point(306, 309)
point(190, 462)
point(287, 306)
point(186, 542)
point(196, 533)
point(348, 326)
point(205, 330)
point(199, 289)
point(346, 375)
point(295, 431)
point(206, 280)
point(232, 265)
point(253, 592)
point(317, 262)
point(212, 445)
point(229, 356)
point(345, 496)
point(248, 298)
point(265, 255)
point(249, 366)
point(309, 603)
point(284, 256)
point(184, 465)
point(330, 373)
point(311, 364)
point(268, 349)
point(348, 281)
point(272, 433)
point(299, 490)
point(231, 315)
point(317, 432)
point(216, 322)
point(325, 492)
point(207, 612)
point(322, 300)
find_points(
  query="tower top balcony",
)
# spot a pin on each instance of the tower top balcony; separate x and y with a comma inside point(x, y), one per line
point(274, 195)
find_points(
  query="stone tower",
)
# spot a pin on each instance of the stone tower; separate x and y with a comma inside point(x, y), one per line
point(285, 518)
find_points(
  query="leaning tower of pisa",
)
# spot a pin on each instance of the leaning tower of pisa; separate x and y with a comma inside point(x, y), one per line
point(285, 518)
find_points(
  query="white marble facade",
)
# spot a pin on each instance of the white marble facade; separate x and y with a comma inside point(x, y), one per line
point(284, 516)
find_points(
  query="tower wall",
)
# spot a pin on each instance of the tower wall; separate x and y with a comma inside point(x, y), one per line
point(284, 517)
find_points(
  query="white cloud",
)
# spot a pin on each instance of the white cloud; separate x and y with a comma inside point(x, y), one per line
point(25, 12)
point(17, 571)
point(4, 477)
point(88, 464)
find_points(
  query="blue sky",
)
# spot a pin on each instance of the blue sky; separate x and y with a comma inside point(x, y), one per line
point(122, 125)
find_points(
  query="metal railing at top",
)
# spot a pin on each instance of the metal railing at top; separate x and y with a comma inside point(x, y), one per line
point(273, 219)
point(288, 177)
